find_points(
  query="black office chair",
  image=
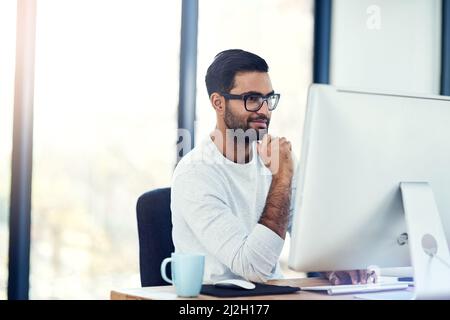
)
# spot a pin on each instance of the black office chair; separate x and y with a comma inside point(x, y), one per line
point(155, 235)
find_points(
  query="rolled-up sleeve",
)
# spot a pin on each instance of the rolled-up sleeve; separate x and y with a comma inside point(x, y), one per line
point(258, 255)
point(199, 200)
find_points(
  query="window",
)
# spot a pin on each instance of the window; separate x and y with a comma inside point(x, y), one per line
point(279, 31)
point(106, 95)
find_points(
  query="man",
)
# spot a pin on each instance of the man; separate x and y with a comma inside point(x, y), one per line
point(232, 194)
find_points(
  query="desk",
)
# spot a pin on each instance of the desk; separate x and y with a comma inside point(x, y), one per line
point(149, 293)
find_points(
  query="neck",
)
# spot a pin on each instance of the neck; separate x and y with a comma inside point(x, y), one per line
point(231, 147)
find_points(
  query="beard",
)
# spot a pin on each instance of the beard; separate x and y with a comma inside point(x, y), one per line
point(241, 126)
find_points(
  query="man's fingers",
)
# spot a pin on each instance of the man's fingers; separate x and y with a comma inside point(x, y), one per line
point(333, 278)
point(363, 275)
point(372, 276)
point(263, 146)
point(344, 277)
point(264, 139)
point(354, 276)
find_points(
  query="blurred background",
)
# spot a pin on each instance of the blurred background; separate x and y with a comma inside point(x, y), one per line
point(106, 96)
point(105, 121)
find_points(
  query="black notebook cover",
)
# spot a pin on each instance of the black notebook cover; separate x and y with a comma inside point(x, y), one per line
point(261, 289)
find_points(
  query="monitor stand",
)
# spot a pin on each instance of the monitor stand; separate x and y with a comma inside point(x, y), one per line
point(428, 248)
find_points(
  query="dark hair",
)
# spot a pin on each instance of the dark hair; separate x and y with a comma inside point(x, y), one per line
point(220, 74)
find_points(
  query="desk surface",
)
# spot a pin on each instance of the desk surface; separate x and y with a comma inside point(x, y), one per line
point(168, 292)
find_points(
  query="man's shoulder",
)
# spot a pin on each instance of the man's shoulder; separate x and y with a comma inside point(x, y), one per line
point(200, 161)
point(191, 167)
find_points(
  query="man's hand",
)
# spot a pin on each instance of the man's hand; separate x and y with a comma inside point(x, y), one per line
point(276, 154)
point(351, 277)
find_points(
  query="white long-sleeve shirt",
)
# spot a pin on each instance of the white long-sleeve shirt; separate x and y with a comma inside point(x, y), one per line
point(216, 205)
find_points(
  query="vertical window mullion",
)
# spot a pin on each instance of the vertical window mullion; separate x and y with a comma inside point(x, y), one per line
point(322, 40)
point(22, 153)
point(445, 64)
point(188, 71)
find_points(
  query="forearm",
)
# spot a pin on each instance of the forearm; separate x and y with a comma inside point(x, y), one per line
point(276, 211)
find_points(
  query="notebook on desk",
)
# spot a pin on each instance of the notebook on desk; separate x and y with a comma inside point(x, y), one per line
point(260, 290)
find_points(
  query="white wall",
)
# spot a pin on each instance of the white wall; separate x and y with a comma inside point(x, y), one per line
point(386, 44)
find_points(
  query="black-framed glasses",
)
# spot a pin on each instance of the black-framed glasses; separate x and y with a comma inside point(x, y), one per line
point(253, 102)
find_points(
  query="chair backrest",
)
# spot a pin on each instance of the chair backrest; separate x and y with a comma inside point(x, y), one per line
point(155, 235)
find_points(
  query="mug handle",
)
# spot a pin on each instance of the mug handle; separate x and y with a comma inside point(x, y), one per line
point(163, 270)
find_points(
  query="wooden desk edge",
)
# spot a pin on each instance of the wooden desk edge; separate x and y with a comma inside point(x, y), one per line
point(301, 295)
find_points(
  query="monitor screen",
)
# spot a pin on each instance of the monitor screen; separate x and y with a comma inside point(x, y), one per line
point(357, 149)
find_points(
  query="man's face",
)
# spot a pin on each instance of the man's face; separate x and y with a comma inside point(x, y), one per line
point(236, 116)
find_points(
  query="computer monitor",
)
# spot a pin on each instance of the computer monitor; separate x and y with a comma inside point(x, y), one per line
point(358, 147)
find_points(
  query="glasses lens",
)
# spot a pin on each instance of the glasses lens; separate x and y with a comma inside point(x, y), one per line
point(272, 101)
point(253, 102)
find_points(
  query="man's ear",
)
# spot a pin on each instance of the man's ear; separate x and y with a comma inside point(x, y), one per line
point(218, 102)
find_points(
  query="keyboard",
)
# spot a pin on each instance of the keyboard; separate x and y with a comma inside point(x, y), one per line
point(387, 295)
point(357, 288)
